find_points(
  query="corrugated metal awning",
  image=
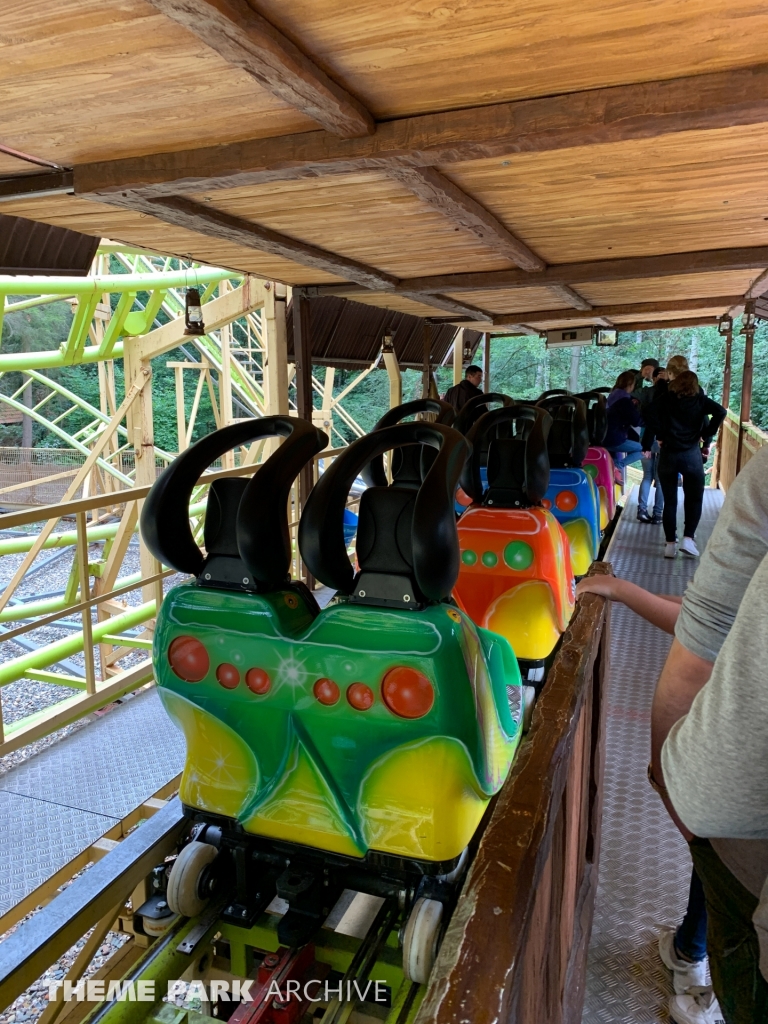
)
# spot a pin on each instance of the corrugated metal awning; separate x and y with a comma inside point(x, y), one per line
point(349, 334)
point(30, 247)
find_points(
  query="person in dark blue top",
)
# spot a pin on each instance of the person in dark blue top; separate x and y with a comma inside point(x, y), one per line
point(623, 417)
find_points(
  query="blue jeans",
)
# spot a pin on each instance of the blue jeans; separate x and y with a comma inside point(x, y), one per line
point(625, 453)
point(651, 476)
point(691, 936)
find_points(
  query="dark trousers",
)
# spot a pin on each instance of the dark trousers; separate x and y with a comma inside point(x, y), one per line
point(690, 464)
point(732, 945)
point(691, 936)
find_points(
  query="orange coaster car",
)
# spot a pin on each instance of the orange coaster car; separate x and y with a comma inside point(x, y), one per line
point(515, 577)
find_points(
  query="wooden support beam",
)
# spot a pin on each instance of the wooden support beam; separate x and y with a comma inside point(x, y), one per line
point(426, 368)
point(455, 306)
point(487, 361)
point(622, 309)
point(634, 268)
point(240, 35)
point(302, 354)
point(641, 110)
point(570, 295)
point(664, 325)
point(44, 183)
point(206, 220)
point(466, 213)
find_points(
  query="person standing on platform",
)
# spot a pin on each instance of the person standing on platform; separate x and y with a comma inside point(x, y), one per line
point(651, 465)
point(460, 394)
point(623, 417)
point(684, 421)
point(691, 721)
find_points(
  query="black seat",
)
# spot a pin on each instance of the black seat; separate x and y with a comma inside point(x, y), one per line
point(476, 407)
point(410, 463)
point(568, 440)
point(407, 545)
point(246, 533)
point(597, 416)
point(518, 465)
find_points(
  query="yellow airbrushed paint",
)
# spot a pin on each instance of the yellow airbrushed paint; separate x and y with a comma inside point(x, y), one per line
point(604, 517)
point(302, 809)
point(580, 538)
point(221, 773)
point(422, 801)
point(528, 613)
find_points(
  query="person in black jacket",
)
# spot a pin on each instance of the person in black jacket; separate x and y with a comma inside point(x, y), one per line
point(684, 421)
point(460, 394)
point(623, 418)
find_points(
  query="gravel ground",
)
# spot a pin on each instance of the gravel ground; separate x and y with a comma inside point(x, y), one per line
point(31, 1003)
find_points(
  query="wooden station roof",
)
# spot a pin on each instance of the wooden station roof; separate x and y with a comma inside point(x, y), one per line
point(509, 164)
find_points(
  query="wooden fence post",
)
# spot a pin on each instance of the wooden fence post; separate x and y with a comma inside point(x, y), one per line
point(745, 411)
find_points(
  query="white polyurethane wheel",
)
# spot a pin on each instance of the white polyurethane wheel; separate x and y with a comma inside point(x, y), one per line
point(529, 699)
point(155, 926)
point(182, 895)
point(420, 941)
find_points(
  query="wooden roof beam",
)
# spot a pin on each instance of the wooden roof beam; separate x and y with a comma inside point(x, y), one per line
point(244, 38)
point(641, 110)
point(569, 295)
point(466, 213)
point(663, 325)
point(623, 309)
point(633, 268)
point(206, 220)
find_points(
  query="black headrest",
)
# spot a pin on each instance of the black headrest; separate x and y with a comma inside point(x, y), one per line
point(518, 466)
point(476, 407)
point(246, 519)
point(597, 415)
point(409, 465)
point(552, 391)
point(568, 440)
point(385, 517)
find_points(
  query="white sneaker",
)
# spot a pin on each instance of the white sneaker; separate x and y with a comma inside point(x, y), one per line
point(696, 1006)
point(670, 549)
point(685, 973)
point(688, 547)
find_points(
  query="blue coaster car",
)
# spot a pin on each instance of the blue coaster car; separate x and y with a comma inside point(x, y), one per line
point(356, 746)
point(572, 495)
point(515, 577)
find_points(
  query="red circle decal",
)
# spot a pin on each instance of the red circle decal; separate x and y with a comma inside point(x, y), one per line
point(188, 659)
point(228, 676)
point(360, 696)
point(326, 691)
point(566, 501)
point(257, 680)
point(407, 693)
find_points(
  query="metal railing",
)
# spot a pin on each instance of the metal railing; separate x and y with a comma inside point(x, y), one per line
point(105, 610)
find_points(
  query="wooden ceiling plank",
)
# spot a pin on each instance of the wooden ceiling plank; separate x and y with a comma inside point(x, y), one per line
point(244, 38)
point(462, 210)
point(571, 296)
point(632, 268)
point(624, 309)
point(641, 110)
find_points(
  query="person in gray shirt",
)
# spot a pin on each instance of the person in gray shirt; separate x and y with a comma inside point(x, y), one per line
point(710, 699)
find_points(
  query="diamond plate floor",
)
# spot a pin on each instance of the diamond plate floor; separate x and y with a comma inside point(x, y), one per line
point(645, 868)
point(57, 803)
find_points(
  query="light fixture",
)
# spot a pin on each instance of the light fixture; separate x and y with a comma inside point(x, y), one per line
point(193, 314)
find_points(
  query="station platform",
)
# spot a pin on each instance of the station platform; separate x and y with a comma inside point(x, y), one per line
point(56, 804)
point(645, 868)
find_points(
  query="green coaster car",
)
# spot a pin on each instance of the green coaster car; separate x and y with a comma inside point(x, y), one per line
point(368, 736)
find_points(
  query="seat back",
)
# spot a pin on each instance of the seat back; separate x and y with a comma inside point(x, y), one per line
point(517, 466)
point(410, 463)
point(597, 416)
point(246, 534)
point(568, 439)
point(407, 547)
